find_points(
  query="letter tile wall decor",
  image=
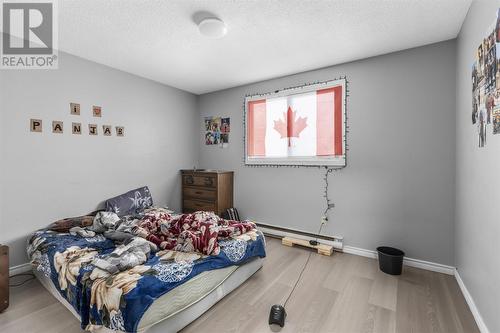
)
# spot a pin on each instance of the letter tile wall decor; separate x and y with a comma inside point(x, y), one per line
point(36, 125)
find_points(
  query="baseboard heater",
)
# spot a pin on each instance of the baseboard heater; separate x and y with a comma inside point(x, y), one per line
point(279, 232)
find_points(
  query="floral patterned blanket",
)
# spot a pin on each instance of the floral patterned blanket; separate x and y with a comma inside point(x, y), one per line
point(196, 232)
point(118, 301)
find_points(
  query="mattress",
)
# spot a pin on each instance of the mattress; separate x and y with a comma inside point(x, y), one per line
point(183, 304)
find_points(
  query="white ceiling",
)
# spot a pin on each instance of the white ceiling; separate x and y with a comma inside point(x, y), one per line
point(159, 40)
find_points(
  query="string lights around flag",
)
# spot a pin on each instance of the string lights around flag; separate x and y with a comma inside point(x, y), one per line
point(346, 126)
point(329, 203)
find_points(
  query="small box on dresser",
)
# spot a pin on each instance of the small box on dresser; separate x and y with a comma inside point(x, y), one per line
point(209, 190)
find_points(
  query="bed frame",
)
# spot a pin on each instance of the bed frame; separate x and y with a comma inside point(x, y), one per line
point(183, 317)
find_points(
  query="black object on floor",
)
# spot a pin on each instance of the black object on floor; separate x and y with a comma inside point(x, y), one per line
point(277, 315)
point(390, 260)
point(313, 242)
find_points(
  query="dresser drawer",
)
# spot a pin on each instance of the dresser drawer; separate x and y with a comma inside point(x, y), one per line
point(203, 181)
point(198, 193)
point(194, 205)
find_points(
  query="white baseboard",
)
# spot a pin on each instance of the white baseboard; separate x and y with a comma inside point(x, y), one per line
point(23, 268)
point(472, 306)
point(428, 265)
point(360, 252)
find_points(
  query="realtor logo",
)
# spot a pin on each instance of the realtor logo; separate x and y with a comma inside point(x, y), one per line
point(29, 35)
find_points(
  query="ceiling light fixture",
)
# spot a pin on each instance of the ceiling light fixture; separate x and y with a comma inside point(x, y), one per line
point(212, 28)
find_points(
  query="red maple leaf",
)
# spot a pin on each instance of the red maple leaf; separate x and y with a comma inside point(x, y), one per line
point(290, 127)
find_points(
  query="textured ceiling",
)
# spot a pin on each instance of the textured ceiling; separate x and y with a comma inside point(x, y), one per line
point(159, 40)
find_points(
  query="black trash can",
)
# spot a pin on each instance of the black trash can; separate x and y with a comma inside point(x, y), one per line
point(390, 260)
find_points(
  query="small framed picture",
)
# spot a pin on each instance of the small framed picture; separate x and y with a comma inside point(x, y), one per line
point(97, 111)
point(74, 109)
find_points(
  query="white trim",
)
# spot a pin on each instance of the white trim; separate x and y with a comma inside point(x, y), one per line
point(427, 265)
point(330, 161)
point(23, 268)
point(360, 252)
point(472, 305)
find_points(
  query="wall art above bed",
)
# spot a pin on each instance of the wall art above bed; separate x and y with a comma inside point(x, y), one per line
point(217, 131)
point(36, 125)
point(299, 126)
point(486, 84)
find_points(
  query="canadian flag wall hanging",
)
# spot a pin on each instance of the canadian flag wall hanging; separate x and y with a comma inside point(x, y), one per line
point(299, 126)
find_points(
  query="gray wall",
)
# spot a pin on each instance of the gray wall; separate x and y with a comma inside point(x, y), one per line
point(477, 226)
point(46, 176)
point(398, 188)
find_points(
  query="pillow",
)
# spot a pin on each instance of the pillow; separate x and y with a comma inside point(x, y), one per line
point(129, 203)
point(65, 224)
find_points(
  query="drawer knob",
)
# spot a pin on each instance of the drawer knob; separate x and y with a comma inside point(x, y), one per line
point(189, 180)
point(209, 181)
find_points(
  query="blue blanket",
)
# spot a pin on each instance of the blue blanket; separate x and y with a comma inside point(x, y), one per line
point(118, 301)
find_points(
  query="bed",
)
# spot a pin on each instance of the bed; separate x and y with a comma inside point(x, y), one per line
point(186, 309)
point(165, 293)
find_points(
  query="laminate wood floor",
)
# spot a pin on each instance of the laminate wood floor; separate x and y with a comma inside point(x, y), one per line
point(343, 293)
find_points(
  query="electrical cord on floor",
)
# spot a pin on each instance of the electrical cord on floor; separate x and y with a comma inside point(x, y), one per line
point(329, 205)
point(298, 279)
point(31, 277)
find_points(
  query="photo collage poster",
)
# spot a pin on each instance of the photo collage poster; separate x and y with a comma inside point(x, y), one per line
point(217, 131)
point(486, 84)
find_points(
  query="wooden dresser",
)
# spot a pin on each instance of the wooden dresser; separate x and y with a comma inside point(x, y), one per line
point(209, 190)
